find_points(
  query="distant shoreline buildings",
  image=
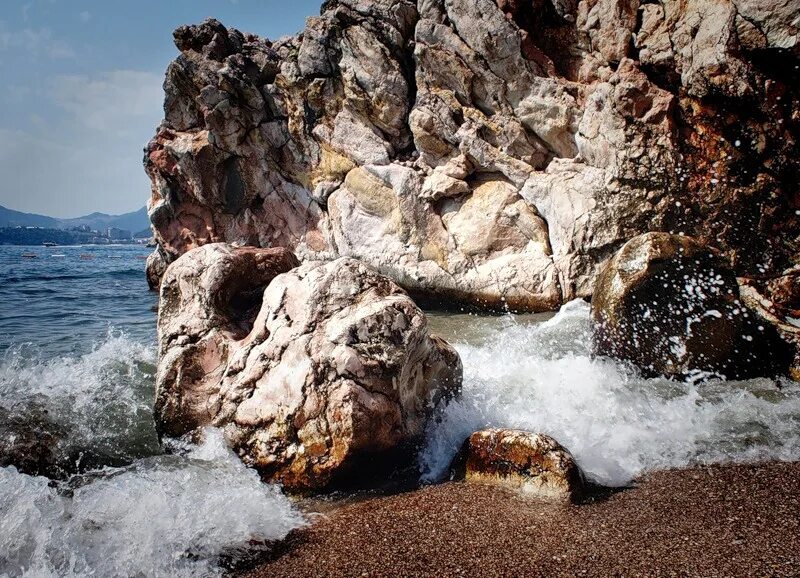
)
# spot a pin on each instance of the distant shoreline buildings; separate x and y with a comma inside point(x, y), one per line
point(82, 235)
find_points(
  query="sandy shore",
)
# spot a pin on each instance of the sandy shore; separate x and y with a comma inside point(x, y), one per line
point(712, 521)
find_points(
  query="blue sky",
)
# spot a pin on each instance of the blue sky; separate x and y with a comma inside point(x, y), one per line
point(81, 92)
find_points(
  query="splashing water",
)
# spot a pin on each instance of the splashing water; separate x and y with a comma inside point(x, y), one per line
point(162, 516)
point(543, 378)
point(100, 402)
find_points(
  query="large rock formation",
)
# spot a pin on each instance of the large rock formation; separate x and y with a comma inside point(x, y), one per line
point(671, 306)
point(327, 369)
point(492, 151)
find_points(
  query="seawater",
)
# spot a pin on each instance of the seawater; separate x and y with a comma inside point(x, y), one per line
point(77, 340)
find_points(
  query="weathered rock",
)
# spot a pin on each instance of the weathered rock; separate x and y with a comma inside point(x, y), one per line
point(334, 366)
point(671, 305)
point(535, 464)
point(398, 132)
point(154, 268)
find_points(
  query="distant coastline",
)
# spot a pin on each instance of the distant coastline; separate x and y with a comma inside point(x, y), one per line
point(34, 236)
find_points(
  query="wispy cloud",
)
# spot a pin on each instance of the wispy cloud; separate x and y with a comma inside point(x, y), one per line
point(88, 155)
point(34, 41)
point(112, 101)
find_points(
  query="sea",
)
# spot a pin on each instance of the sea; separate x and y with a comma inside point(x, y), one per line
point(78, 360)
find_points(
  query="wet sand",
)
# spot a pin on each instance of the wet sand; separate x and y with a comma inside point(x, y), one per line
point(720, 521)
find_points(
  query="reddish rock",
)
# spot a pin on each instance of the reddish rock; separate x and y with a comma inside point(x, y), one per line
point(534, 464)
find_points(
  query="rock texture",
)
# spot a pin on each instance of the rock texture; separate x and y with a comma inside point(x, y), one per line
point(670, 305)
point(534, 464)
point(313, 378)
point(495, 152)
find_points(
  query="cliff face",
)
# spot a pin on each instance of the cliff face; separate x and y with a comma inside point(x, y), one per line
point(494, 152)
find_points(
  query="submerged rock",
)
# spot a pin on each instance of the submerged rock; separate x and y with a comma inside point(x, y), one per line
point(670, 305)
point(331, 368)
point(535, 464)
point(491, 152)
point(31, 441)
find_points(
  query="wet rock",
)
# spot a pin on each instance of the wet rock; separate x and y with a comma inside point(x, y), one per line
point(535, 464)
point(594, 122)
point(331, 368)
point(670, 305)
point(32, 442)
point(776, 303)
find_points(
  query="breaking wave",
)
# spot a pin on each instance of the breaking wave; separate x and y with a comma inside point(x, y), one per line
point(543, 378)
point(161, 516)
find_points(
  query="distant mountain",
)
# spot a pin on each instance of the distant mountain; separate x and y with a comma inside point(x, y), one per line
point(9, 218)
point(135, 221)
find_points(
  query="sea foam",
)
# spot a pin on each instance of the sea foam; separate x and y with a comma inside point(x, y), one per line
point(162, 516)
point(618, 425)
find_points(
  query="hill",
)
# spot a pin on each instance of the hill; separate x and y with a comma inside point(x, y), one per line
point(133, 221)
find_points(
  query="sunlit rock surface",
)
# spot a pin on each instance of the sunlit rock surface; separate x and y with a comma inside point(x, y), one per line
point(328, 368)
point(496, 153)
point(671, 305)
point(534, 464)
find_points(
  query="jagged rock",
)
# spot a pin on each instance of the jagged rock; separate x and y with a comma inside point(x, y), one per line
point(154, 268)
point(671, 305)
point(377, 132)
point(535, 464)
point(329, 367)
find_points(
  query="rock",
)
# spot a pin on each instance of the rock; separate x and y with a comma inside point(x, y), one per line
point(594, 122)
point(670, 305)
point(331, 369)
point(776, 302)
point(32, 443)
point(534, 464)
point(154, 268)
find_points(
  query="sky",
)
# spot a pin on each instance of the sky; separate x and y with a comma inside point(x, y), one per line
point(81, 92)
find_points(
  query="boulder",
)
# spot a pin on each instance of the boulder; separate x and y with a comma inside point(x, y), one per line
point(314, 375)
point(534, 464)
point(670, 305)
point(398, 132)
point(33, 443)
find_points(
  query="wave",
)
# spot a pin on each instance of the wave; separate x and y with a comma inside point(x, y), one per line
point(98, 405)
point(136, 273)
point(618, 425)
point(162, 516)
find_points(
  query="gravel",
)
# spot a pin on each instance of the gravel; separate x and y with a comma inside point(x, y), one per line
point(735, 520)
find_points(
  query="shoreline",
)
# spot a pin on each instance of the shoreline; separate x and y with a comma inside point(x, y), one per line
point(720, 520)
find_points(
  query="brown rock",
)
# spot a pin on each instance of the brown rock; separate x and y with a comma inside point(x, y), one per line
point(534, 464)
point(670, 305)
point(314, 379)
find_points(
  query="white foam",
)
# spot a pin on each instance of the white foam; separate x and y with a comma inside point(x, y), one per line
point(163, 516)
point(103, 399)
point(543, 378)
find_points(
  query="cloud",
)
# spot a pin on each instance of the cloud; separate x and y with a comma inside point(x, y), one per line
point(88, 156)
point(34, 42)
point(85, 16)
point(112, 101)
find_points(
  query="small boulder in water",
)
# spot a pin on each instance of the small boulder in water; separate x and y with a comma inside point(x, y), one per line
point(31, 442)
point(535, 464)
point(313, 379)
point(670, 305)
